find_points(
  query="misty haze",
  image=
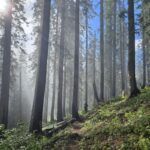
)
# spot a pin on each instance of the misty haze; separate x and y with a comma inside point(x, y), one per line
point(74, 74)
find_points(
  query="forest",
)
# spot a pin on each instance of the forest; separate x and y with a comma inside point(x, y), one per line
point(74, 74)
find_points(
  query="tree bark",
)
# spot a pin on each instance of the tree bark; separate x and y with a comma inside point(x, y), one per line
point(70, 92)
point(144, 62)
point(61, 62)
point(114, 50)
point(54, 68)
point(60, 126)
point(36, 118)
point(122, 49)
point(102, 49)
point(94, 74)
point(4, 102)
point(76, 65)
point(20, 94)
point(111, 50)
point(86, 65)
point(148, 61)
point(45, 112)
point(54, 88)
point(134, 91)
point(64, 91)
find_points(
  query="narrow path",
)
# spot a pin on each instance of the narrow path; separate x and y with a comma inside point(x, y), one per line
point(76, 129)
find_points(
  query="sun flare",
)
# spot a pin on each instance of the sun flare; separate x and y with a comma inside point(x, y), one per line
point(3, 5)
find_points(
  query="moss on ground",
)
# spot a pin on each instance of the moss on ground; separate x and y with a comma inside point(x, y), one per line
point(121, 124)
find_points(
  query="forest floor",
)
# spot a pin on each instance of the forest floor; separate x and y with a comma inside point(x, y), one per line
point(120, 124)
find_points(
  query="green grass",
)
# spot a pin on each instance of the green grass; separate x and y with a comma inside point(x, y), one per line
point(123, 124)
point(120, 124)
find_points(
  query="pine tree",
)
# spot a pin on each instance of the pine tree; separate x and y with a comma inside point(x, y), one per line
point(4, 101)
point(114, 49)
point(36, 118)
point(61, 62)
point(76, 65)
point(102, 49)
point(134, 91)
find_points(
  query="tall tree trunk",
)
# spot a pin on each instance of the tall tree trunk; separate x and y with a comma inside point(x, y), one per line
point(4, 102)
point(45, 111)
point(114, 51)
point(61, 62)
point(54, 89)
point(81, 83)
point(64, 91)
point(54, 68)
point(125, 50)
point(148, 61)
point(102, 49)
point(134, 91)
point(70, 93)
point(76, 65)
point(122, 49)
point(86, 65)
point(96, 98)
point(20, 94)
point(144, 62)
point(110, 39)
point(144, 51)
point(36, 118)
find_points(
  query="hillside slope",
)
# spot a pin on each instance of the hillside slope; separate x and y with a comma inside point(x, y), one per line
point(119, 124)
point(116, 125)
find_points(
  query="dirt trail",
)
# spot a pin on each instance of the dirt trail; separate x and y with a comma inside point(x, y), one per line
point(76, 129)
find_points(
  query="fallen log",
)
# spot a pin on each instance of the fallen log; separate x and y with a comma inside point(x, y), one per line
point(61, 123)
point(60, 126)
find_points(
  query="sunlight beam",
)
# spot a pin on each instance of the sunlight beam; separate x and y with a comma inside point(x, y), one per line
point(3, 6)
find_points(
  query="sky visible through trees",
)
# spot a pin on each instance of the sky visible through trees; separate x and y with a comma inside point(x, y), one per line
point(62, 59)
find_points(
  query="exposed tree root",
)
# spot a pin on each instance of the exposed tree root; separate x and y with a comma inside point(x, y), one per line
point(134, 93)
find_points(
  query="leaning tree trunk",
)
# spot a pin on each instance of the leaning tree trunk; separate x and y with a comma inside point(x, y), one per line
point(4, 101)
point(76, 65)
point(131, 60)
point(36, 118)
